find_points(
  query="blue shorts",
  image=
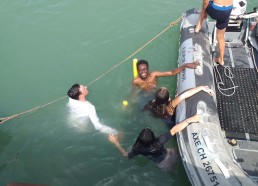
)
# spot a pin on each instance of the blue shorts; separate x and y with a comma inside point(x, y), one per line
point(220, 13)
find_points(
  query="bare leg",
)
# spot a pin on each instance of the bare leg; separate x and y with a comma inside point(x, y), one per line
point(203, 15)
point(199, 24)
point(221, 43)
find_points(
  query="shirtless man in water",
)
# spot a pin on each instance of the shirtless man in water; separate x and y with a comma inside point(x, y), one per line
point(220, 11)
point(147, 81)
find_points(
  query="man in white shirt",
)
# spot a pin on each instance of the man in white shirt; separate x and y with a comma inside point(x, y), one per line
point(80, 107)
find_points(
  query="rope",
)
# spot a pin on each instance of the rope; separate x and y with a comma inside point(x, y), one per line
point(137, 51)
point(2, 120)
point(220, 83)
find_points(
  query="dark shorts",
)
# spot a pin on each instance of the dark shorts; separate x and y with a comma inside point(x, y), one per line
point(220, 13)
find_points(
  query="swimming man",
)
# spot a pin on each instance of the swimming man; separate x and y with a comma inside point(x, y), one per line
point(82, 108)
point(147, 81)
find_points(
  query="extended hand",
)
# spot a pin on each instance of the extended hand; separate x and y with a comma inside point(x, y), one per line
point(207, 89)
point(113, 138)
point(195, 118)
point(192, 65)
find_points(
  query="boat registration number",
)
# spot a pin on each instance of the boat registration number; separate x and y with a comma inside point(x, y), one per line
point(203, 157)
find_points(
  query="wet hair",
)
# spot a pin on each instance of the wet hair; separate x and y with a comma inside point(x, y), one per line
point(74, 91)
point(162, 96)
point(146, 138)
point(160, 106)
point(140, 62)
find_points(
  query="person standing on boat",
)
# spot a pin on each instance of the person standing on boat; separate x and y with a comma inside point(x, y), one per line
point(147, 81)
point(163, 107)
point(153, 147)
point(82, 108)
point(220, 11)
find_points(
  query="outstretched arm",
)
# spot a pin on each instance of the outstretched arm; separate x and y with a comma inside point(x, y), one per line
point(113, 139)
point(177, 70)
point(95, 121)
point(190, 93)
point(180, 126)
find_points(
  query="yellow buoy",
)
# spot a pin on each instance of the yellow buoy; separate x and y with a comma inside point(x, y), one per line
point(135, 71)
point(125, 103)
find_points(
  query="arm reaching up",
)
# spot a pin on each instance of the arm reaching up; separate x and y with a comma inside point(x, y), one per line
point(176, 71)
point(190, 93)
point(192, 65)
point(180, 126)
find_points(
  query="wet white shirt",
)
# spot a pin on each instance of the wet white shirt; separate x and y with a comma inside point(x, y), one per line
point(84, 109)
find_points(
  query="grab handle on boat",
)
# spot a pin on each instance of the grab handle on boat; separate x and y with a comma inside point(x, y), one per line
point(223, 168)
point(198, 57)
point(208, 143)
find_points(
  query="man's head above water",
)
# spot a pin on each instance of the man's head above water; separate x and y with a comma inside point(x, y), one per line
point(143, 68)
point(147, 81)
point(78, 92)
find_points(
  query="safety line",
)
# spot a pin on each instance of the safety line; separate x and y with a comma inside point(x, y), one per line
point(2, 120)
point(105, 73)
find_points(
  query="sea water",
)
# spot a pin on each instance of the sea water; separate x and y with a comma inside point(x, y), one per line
point(48, 45)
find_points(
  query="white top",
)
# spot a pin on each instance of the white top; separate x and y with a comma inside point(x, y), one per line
point(86, 110)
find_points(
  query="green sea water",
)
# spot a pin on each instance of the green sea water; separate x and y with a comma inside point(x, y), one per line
point(48, 45)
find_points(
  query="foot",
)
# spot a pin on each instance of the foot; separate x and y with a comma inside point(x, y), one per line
point(219, 61)
point(197, 29)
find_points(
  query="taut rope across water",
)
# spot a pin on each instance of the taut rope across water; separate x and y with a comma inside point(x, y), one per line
point(2, 120)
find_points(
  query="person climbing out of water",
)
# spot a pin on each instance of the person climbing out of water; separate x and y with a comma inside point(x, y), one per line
point(82, 108)
point(153, 147)
point(220, 11)
point(147, 81)
point(163, 107)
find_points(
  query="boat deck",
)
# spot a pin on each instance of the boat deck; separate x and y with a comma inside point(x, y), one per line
point(237, 103)
point(231, 112)
point(246, 154)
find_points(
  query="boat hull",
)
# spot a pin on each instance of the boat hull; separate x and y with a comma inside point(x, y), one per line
point(205, 153)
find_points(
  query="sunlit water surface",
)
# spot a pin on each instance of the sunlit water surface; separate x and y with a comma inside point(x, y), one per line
point(45, 47)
